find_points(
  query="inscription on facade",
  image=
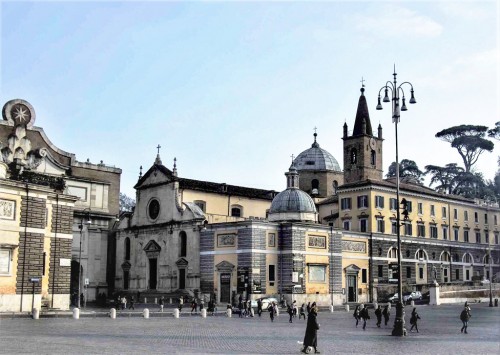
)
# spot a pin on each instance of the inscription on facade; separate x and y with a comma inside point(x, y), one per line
point(316, 241)
point(226, 240)
point(7, 209)
point(356, 247)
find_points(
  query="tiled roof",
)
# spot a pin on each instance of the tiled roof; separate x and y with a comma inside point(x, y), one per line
point(226, 189)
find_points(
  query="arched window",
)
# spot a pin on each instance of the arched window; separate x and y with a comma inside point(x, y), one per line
point(445, 257)
point(354, 156)
point(467, 258)
point(393, 253)
point(315, 184)
point(373, 157)
point(335, 186)
point(421, 255)
point(236, 211)
point(127, 248)
point(182, 243)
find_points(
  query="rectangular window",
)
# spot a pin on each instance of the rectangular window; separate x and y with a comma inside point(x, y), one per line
point(317, 273)
point(486, 237)
point(433, 231)
point(408, 272)
point(433, 211)
point(495, 220)
point(485, 218)
point(420, 272)
point(393, 204)
point(201, 204)
point(272, 273)
point(466, 215)
point(421, 230)
point(345, 203)
point(5, 256)
point(379, 201)
point(363, 225)
point(445, 233)
point(408, 229)
point(380, 225)
point(467, 275)
point(409, 206)
point(381, 271)
point(363, 201)
point(476, 218)
point(394, 228)
point(478, 237)
point(363, 276)
point(420, 208)
point(347, 225)
point(496, 238)
point(466, 236)
point(455, 214)
point(455, 234)
point(271, 240)
point(457, 275)
point(443, 212)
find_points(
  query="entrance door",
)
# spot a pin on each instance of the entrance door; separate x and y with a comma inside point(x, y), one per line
point(152, 273)
point(225, 288)
point(182, 279)
point(351, 288)
point(125, 280)
point(445, 274)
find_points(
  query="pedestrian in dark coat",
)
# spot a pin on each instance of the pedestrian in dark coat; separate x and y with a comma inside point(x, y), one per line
point(289, 310)
point(356, 315)
point(378, 314)
point(464, 317)
point(249, 308)
point(161, 302)
point(414, 319)
point(259, 307)
point(271, 311)
point(386, 313)
point(308, 307)
point(302, 311)
point(194, 305)
point(241, 308)
point(364, 314)
point(311, 336)
point(132, 303)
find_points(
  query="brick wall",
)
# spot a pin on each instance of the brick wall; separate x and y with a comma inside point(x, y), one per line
point(59, 276)
point(62, 218)
point(31, 260)
point(33, 212)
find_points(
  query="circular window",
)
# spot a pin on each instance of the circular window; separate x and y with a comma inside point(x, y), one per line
point(154, 209)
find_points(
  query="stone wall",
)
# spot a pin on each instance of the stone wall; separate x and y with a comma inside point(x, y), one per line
point(30, 261)
point(59, 276)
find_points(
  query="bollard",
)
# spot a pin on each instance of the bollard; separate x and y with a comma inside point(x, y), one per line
point(170, 300)
point(76, 313)
point(145, 313)
point(35, 313)
point(331, 308)
point(347, 308)
point(229, 312)
point(176, 313)
point(375, 305)
point(203, 313)
point(412, 303)
point(112, 313)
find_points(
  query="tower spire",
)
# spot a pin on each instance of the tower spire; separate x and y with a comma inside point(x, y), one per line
point(362, 124)
point(158, 159)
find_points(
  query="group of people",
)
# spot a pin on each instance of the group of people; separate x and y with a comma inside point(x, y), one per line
point(121, 302)
point(361, 313)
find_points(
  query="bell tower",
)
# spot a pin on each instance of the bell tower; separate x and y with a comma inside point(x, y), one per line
point(362, 149)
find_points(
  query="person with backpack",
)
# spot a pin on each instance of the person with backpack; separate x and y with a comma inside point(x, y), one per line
point(414, 320)
point(386, 313)
point(378, 314)
point(302, 311)
point(356, 315)
point(464, 317)
point(364, 315)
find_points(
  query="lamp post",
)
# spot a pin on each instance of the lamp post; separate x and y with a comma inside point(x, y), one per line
point(397, 91)
point(491, 277)
point(331, 260)
point(87, 222)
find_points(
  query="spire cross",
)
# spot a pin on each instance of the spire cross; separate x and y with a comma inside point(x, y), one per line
point(159, 146)
point(315, 129)
point(362, 82)
point(292, 156)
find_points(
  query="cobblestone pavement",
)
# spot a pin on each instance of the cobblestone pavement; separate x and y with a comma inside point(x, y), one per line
point(439, 334)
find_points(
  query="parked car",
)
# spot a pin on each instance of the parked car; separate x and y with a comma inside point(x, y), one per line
point(412, 296)
point(393, 298)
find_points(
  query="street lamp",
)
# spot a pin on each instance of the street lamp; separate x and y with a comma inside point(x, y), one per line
point(88, 221)
point(491, 276)
point(331, 260)
point(397, 91)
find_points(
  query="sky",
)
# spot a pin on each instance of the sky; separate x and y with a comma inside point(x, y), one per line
point(233, 89)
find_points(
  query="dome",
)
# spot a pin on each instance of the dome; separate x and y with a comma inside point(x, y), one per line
point(316, 158)
point(292, 200)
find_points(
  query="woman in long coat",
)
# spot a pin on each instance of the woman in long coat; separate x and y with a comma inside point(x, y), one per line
point(311, 336)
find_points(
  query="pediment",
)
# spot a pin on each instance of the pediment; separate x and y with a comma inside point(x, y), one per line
point(152, 246)
point(224, 266)
point(181, 262)
point(352, 269)
point(156, 175)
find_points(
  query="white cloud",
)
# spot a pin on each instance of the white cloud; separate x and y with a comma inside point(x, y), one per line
point(468, 10)
point(391, 20)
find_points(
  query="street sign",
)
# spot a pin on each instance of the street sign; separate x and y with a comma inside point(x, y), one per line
point(35, 279)
point(86, 281)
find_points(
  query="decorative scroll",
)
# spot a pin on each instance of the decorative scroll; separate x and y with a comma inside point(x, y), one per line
point(7, 209)
point(352, 246)
point(226, 240)
point(316, 241)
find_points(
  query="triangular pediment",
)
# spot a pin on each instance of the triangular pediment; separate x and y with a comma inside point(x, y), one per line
point(152, 246)
point(224, 266)
point(352, 269)
point(181, 262)
point(156, 175)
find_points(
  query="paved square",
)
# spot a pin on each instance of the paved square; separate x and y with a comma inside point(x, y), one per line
point(439, 334)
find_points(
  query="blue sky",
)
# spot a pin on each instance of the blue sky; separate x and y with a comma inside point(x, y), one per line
point(233, 89)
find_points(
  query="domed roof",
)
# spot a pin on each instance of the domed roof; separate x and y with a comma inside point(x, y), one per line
point(316, 158)
point(292, 200)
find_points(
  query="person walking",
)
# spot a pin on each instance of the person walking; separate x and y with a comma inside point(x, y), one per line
point(241, 308)
point(271, 311)
point(311, 336)
point(308, 307)
point(259, 307)
point(214, 307)
point(378, 314)
point(414, 320)
point(289, 310)
point(302, 311)
point(464, 317)
point(194, 305)
point(365, 315)
point(386, 313)
point(181, 303)
point(132, 303)
point(249, 308)
point(161, 303)
point(294, 308)
point(356, 315)
point(124, 302)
